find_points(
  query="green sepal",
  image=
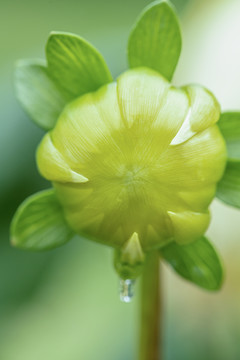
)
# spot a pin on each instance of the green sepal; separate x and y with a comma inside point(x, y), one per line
point(37, 93)
point(229, 124)
point(155, 40)
point(126, 270)
point(197, 262)
point(75, 65)
point(228, 188)
point(129, 260)
point(39, 223)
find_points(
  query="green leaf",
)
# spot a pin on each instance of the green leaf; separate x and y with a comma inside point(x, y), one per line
point(229, 124)
point(39, 223)
point(155, 41)
point(76, 66)
point(197, 262)
point(38, 94)
point(228, 188)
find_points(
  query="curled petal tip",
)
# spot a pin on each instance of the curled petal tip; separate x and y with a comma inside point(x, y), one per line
point(78, 178)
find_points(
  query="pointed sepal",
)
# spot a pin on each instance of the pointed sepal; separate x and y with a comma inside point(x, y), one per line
point(228, 188)
point(75, 65)
point(155, 41)
point(129, 260)
point(229, 124)
point(39, 223)
point(38, 94)
point(197, 262)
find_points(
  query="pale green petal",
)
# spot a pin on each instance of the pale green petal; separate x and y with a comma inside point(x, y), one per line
point(89, 120)
point(204, 111)
point(79, 132)
point(188, 226)
point(198, 199)
point(141, 93)
point(53, 166)
point(150, 108)
point(185, 132)
point(192, 165)
point(171, 116)
point(106, 102)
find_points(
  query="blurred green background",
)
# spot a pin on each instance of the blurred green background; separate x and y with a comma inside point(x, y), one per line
point(63, 305)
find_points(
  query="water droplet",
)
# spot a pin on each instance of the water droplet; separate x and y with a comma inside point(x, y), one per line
point(126, 290)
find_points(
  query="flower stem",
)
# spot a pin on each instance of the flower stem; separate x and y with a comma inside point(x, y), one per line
point(150, 331)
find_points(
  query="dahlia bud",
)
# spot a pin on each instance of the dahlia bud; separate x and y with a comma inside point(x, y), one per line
point(134, 163)
point(138, 159)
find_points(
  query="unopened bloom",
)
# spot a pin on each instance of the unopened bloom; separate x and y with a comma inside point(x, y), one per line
point(137, 159)
point(135, 162)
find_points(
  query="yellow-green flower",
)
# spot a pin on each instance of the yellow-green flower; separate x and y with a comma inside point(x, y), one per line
point(134, 162)
point(136, 156)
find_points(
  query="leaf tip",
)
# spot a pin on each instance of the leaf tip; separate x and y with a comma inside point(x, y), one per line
point(158, 21)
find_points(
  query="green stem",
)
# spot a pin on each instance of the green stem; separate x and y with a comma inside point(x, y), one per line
point(150, 331)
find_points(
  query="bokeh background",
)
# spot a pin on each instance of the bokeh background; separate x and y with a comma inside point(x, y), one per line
point(63, 304)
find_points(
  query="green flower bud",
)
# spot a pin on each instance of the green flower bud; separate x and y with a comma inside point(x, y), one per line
point(135, 164)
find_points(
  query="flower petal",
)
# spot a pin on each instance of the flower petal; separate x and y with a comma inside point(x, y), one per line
point(151, 109)
point(192, 165)
point(84, 132)
point(204, 111)
point(141, 93)
point(53, 166)
point(188, 226)
point(171, 115)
